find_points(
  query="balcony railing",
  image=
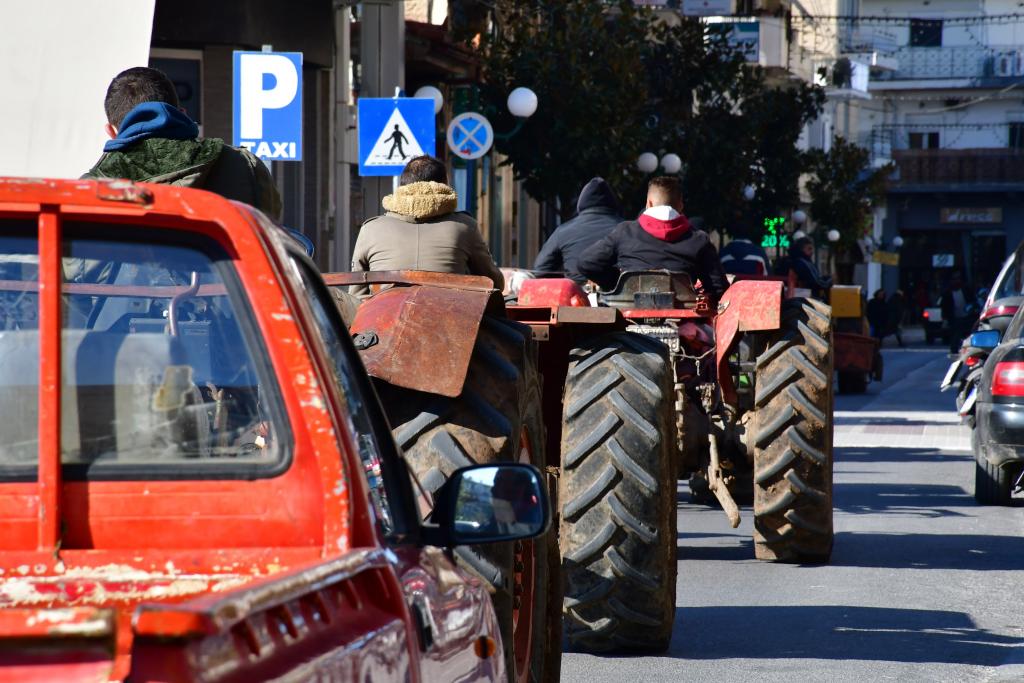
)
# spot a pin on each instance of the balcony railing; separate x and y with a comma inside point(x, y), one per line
point(932, 63)
point(962, 167)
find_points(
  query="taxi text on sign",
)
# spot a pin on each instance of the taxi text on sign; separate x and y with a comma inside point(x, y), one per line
point(393, 130)
point(268, 104)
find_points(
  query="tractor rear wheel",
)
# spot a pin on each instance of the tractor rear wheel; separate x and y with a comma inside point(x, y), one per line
point(617, 492)
point(496, 418)
point(793, 437)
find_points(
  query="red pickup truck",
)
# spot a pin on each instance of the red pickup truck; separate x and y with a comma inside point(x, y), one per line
point(196, 478)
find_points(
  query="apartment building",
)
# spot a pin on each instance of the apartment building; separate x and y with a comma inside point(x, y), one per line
point(947, 108)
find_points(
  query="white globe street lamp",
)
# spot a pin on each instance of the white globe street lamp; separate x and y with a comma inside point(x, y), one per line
point(522, 102)
point(833, 235)
point(434, 94)
point(897, 242)
point(672, 163)
point(647, 162)
point(799, 217)
point(748, 192)
point(799, 234)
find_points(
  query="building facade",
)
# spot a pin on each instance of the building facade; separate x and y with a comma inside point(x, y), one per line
point(947, 109)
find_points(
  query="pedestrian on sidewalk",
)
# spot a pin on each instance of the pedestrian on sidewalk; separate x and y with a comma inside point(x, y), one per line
point(955, 303)
point(153, 140)
point(897, 308)
point(878, 315)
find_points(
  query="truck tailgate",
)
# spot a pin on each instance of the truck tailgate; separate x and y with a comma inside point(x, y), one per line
point(56, 644)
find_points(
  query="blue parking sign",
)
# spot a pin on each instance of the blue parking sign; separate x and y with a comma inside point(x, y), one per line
point(268, 104)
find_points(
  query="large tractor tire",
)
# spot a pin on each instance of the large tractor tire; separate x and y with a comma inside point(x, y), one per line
point(617, 493)
point(793, 437)
point(496, 418)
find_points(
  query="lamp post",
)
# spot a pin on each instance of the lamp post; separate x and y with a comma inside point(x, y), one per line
point(647, 162)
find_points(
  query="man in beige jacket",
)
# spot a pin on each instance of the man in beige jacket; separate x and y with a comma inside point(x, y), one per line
point(422, 230)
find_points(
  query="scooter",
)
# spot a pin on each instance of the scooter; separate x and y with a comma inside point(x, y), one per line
point(964, 374)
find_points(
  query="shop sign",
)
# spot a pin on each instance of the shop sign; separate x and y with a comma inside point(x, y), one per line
point(971, 216)
point(942, 260)
point(886, 258)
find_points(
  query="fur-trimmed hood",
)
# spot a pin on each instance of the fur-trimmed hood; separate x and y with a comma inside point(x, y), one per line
point(421, 201)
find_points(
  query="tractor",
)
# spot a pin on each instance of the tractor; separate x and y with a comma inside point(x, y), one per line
point(617, 401)
point(858, 355)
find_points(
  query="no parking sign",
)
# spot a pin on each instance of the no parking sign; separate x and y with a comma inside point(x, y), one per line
point(470, 135)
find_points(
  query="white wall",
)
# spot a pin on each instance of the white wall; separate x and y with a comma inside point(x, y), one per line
point(57, 59)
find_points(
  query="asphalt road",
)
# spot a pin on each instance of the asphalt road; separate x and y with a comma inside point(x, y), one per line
point(924, 585)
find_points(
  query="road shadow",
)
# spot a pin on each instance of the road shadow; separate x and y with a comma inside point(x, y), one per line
point(865, 454)
point(838, 632)
point(730, 548)
point(885, 421)
point(973, 552)
point(917, 500)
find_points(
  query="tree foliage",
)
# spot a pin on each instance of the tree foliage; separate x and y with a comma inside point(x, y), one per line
point(613, 81)
point(844, 189)
point(585, 66)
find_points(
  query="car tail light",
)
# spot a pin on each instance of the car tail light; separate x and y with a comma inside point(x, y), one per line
point(994, 311)
point(1008, 379)
point(926, 315)
point(971, 361)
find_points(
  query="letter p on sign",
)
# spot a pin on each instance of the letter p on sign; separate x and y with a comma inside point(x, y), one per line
point(268, 104)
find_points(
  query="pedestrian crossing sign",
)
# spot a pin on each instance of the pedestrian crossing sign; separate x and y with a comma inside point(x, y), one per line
point(393, 130)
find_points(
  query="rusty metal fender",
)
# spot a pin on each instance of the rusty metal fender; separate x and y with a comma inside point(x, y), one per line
point(420, 336)
point(747, 306)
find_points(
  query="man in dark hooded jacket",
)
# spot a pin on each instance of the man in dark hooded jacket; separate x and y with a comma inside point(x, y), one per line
point(597, 212)
point(661, 238)
point(801, 260)
point(153, 140)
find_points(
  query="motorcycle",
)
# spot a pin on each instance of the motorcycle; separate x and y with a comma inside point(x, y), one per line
point(964, 373)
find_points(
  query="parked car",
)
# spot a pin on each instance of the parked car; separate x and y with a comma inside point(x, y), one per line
point(184, 457)
point(998, 436)
point(1006, 294)
point(934, 326)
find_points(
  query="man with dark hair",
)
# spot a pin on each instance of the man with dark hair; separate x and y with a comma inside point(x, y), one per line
point(422, 170)
point(153, 140)
point(597, 212)
point(741, 256)
point(421, 230)
point(661, 238)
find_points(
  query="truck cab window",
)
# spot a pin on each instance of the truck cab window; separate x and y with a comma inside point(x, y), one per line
point(163, 376)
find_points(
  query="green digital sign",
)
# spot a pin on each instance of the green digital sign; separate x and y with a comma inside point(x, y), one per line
point(773, 235)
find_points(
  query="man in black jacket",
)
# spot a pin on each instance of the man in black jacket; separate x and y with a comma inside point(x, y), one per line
point(661, 238)
point(597, 212)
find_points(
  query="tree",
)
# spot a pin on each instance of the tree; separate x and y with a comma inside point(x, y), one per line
point(613, 82)
point(844, 189)
point(582, 62)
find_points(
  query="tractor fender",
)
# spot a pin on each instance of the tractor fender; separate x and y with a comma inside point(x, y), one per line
point(420, 337)
point(747, 306)
point(552, 292)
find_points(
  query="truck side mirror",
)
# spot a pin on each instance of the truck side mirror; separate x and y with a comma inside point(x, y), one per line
point(985, 339)
point(490, 504)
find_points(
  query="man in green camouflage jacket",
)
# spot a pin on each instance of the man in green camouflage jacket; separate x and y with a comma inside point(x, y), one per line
point(153, 140)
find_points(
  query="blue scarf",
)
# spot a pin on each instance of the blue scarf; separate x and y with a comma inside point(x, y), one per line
point(153, 120)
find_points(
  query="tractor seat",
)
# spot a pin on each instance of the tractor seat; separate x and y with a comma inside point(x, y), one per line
point(652, 289)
